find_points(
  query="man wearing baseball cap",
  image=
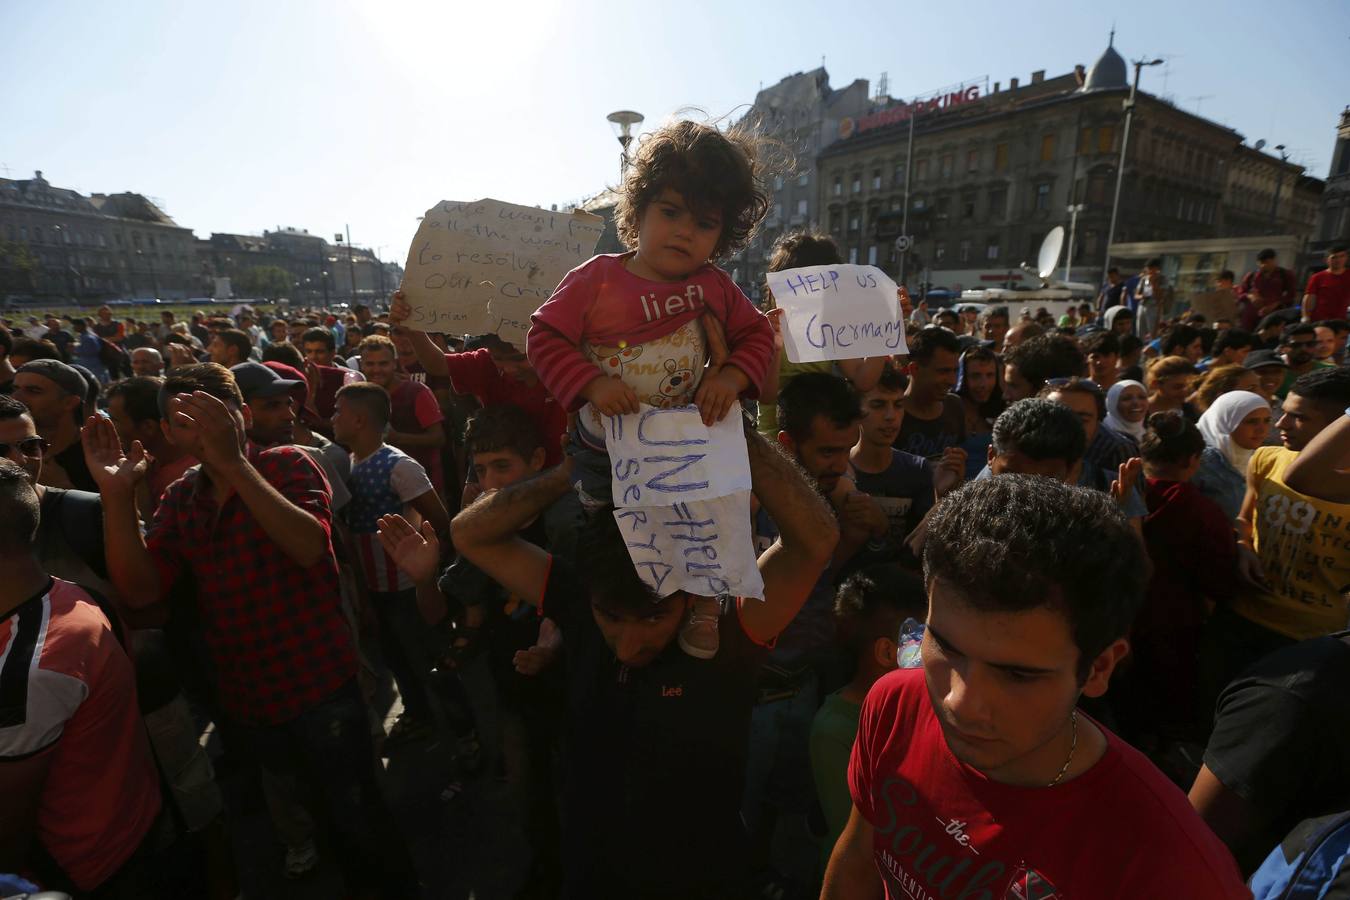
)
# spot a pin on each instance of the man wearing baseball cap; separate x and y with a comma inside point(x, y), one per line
point(55, 394)
point(273, 392)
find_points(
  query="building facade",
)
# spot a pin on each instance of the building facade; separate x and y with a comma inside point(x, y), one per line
point(57, 244)
point(1334, 216)
point(801, 114)
point(992, 173)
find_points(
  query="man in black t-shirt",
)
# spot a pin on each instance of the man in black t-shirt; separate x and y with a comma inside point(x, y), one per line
point(55, 393)
point(1280, 750)
point(658, 739)
point(935, 418)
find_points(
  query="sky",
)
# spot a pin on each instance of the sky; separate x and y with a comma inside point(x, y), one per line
point(251, 115)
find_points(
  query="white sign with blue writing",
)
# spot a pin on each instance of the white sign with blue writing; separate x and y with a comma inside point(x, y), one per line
point(682, 498)
point(838, 312)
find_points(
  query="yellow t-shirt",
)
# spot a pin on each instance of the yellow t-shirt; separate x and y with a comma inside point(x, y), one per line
point(1304, 546)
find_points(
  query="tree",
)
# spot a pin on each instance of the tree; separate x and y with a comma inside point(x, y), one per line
point(270, 282)
point(18, 267)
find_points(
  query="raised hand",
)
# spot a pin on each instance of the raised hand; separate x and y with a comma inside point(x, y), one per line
point(539, 657)
point(950, 471)
point(112, 470)
point(209, 427)
point(418, 553)
point(399, 308)
point(1126, 478)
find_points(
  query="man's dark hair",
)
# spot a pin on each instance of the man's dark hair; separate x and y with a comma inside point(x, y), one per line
point(34, 348)
point(1329, 387)
point(1047, 356)
point(140, 396)
point(373, 400)
point(1018, 542)
point(502, 427)
point(711, 170)
point(891, 379)
point(1334, 324)
point(11, 408)
point(1154, 263)
point(209, 378)
point(1170, 439)
point(1102, 343)
point(19, 508)
point(1040, 429)
point(813, 394)
point(929, 339)
point(995, 404)
point(319, 335)
point(1295, 330)
point(1233, 339)
point(995, 312)
point(275, 322)
point(1265, 254)
point(1130, 343)
point(1178, 339)
point(1113, 271)
point(804, 247)
point(1227, 275)
point(1084, 386)
point(1336, 248)
point(874, 602)
point(284, 352)
point(606, 570)
point(237, 339)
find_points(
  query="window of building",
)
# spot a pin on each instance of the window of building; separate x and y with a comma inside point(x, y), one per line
point(834, 222)
point(963, 250)
point(998, 203)
point(939, 251)
point(945, 165)
point(801, 207)
point(857, 184)
point(117, 238)
point(872, 255)
point(1043, 195)
point(1084, 141)
point(853, 255)
point(920, 204)
point(803, 179)
point(944, 208)
point(920, 169)
point(876, 179)
point(838, 186)
point(1001, 157)
point(1047, 147)
point(1096, 189)
point(151, 239)
point(23, 232)
point(991, 249)
point(972, 160)
point(1106, 138)
point(899, 176)
point(37, 234)
point(777, 212)
point(853, 223)
point(778, 182)
point(968, 206)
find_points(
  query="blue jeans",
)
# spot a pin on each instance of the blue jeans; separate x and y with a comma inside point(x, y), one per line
point(778, 767)
point(329, 745)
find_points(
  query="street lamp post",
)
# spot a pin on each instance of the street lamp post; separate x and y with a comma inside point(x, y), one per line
point(909, 167)
point(1073, 210)
point(1279, 183)
point(623, 122)
point(1124, 147)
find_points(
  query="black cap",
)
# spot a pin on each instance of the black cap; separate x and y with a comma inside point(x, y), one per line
point(256, 380)
point(1259, 359)
point(1279, 317)
point(67, 378)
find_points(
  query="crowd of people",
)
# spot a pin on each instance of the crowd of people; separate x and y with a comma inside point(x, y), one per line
point(1052, 607)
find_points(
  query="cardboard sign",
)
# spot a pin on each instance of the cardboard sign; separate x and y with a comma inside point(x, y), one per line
point(485, 266)
point(682, 497)
point(838, 312)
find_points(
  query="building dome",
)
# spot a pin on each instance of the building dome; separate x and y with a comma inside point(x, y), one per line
point(1107, 73)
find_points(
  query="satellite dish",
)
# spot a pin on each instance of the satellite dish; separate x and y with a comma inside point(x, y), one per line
point(1261, 143)
point(1048, 259)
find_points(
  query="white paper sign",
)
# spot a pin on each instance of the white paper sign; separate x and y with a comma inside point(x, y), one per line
point(485, 266)
point(665, 455)
point(703, 546)
point(682, 497)
point(838, 312)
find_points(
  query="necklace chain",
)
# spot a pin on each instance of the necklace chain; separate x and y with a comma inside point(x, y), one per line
point(1072, 747)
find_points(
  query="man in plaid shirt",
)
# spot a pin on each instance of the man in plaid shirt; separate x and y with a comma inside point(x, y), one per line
point(253, 527)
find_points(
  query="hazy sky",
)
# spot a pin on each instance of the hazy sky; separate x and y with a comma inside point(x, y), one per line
point(249, 115)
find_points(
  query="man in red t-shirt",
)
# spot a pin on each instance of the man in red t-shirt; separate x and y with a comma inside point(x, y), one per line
point(68, 719)
point(1327, 295)
point(415, 421)
point(498, 373)
point(977, 775)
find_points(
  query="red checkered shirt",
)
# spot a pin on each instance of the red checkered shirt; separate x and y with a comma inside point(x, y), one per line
point(275, 630)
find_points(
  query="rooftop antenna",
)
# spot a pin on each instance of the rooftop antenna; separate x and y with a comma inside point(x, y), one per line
point(1199, 99)
point(883, 85)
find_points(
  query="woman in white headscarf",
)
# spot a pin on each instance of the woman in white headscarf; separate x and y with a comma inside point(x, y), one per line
point(1235, 424)
point(1126, 409)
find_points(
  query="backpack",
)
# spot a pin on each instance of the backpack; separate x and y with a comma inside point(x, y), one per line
point(113, 357)
point(1310, 863)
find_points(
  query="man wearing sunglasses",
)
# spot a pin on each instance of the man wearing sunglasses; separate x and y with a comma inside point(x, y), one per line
point(54, 394)
point(1298, 346)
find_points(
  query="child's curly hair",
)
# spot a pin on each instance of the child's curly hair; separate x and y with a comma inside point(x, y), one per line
point(711, 170)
